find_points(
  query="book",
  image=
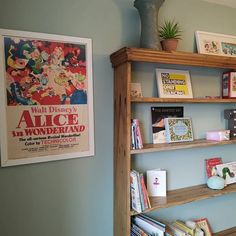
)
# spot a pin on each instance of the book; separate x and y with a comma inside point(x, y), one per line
point(136, 137)
point(229, 85)
point(178, 129)
point(152, 227)
point(156, 183)
point(134, 192)
point(136, 90)
point(173, 83)
point(181, 225)
point(158, 114)
point(204, 225)
point(137, 230)
point(227, 171)
point(210, 165)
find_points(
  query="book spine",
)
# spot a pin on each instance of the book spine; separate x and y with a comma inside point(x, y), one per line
point(144, 191)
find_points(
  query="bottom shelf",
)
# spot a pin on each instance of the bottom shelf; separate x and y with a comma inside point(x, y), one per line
point(227, 232)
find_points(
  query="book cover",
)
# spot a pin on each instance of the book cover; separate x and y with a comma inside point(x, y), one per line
point(178, 129)
point(227, 171)
point(136, 137)
point(173, 83)
point(156, 183)
point(210, 165)
point(136, 90)
point(148, 226)
point(134, 192)
point(158, 114)
point(229, 85)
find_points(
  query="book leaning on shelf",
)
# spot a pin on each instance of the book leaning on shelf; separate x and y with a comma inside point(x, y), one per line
point(136, 137)
point(148, 225)
point(138, 191)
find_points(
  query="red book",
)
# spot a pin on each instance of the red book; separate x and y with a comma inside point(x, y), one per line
point(210, 165)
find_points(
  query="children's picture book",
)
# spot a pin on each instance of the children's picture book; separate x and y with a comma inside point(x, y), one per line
point(136, 90)
point(229, 85)
point(158, 114)
point(178, 129)
point(204, 225)
point(210, 165)
point(173, 83)
point(156, 183)
point(227, 171)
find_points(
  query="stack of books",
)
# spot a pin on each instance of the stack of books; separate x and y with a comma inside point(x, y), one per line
point(145, 226)
point(139, 196)
point(136, 138)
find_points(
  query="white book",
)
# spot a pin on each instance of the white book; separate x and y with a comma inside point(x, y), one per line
point(156, 183)
point(134, 192)
point(227, 171)
point(148, 226)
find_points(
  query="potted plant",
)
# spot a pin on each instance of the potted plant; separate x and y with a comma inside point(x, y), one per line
point(170, 33)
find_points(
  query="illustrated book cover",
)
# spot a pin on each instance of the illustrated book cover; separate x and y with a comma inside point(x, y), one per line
point(210, 165)
point(136, 90)
point(178, 129)
point(173, 83)
point(158, 114)
point(229, 85)
point(227, 171)
point(156, 183)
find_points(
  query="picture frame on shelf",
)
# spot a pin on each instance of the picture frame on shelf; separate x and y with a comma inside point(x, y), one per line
point(174, 83)
point(46, 97)
point(215, 44)
point(204, 225)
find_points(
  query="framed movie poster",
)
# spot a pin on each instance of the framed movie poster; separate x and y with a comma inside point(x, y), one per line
point(46, 97)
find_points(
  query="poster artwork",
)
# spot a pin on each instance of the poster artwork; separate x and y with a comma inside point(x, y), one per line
point(47, 108)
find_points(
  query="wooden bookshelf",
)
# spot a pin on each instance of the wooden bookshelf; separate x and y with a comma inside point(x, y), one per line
point(122, 62)
point(185, 195)
point(160, 147)
point(227, 232)
point(126, 54)
point(182, 100)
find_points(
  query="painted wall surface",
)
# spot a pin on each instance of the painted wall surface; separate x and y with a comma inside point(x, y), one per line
point(75, 197)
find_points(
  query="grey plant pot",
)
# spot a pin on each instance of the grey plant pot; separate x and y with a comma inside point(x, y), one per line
point(148, 11)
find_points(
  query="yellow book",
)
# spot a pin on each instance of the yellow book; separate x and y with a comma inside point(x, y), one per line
point(184, 227)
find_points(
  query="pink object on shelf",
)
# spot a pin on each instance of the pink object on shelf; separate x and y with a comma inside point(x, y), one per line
point(218, 135)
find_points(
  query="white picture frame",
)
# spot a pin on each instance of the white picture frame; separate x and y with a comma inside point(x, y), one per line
point(215, 44)
point(173, 83)
point(46, 92)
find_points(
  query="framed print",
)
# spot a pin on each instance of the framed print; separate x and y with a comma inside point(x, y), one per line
point(46, 97)
point(173, 83)
point(216, 44)
point(204, 225)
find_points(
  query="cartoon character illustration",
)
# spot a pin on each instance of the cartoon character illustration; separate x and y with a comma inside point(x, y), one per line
point(44, 72)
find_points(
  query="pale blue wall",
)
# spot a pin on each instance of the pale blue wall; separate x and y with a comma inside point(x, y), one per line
point(75, 197)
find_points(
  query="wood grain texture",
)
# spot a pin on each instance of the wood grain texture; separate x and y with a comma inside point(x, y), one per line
point(227, 232)
point(186, 195)
point(160, 147)
point(182, 100)
point(122, 149)
point(172, 57)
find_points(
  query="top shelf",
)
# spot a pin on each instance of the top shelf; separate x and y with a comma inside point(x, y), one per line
point(179, 58)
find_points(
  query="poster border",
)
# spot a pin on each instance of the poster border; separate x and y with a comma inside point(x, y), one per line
point(5, 161)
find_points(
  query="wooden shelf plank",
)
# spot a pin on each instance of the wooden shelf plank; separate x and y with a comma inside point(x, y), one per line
point(186, 195)
point(182, 100)
point(227, 232)
point(184, 145)
point(172, 57)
